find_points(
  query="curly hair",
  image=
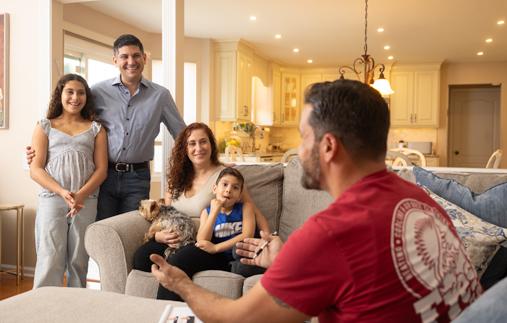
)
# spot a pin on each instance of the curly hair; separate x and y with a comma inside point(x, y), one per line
point(180, 173)
point(55, 105)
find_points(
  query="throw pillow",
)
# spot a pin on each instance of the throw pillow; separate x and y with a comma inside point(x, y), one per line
point(490, 205)
point(480, 238)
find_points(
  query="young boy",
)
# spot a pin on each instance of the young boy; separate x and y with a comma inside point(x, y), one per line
point(227, 220)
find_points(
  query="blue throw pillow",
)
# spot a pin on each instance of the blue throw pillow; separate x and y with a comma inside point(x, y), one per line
point(490, 205)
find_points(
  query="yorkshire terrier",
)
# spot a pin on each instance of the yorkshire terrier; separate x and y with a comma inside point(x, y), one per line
point(164, 217)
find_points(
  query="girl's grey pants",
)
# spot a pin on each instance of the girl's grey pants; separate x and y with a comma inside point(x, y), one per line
point(59, 242)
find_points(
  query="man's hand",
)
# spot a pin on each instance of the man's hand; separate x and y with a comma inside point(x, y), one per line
point(251, 246)
point(168, 276)
point(30, 154)
point(168, 237)
point(207, 246)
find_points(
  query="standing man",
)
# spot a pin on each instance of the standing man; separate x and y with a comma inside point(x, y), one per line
point(383, 251)
point(131, 108)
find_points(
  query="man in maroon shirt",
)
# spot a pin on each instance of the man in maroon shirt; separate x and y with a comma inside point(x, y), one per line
point(382, 251)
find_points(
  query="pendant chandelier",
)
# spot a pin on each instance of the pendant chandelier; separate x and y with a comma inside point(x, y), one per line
point(368, 63)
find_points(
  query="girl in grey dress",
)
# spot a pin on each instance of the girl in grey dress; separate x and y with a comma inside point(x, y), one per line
point(70, 164)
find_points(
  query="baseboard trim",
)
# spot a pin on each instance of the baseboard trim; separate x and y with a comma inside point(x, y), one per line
point(28, 271)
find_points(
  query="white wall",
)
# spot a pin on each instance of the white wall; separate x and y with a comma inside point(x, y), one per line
point(29, 87)
point(198, 50)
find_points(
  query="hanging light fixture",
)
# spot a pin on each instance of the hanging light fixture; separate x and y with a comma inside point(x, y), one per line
point(381, 84)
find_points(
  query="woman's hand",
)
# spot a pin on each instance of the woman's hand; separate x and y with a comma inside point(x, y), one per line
point(207, 246)
point(167, 237)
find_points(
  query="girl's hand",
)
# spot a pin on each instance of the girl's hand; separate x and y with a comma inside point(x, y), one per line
point(67, 196)
point(168, 237)
point(207, 246)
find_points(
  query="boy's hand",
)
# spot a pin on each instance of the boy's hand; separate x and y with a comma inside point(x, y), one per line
point(30, 154)
point(216, 204)
point(207, 246)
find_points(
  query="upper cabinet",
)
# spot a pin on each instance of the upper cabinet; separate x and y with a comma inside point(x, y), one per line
point(416, 98)
point(233, 81)
point(291, 103)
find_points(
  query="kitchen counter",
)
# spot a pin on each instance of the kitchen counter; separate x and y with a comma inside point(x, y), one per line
point(272, 157)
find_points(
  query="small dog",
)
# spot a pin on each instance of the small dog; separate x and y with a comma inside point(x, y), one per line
point(167, 217)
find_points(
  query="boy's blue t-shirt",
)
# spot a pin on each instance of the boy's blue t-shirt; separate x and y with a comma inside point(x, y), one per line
point(227, 226)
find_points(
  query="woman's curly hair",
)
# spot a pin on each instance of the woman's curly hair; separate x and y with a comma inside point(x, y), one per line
point(55, 105)
point(180, 173)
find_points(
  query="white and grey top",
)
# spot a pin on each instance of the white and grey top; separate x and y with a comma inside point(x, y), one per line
point(69, 158)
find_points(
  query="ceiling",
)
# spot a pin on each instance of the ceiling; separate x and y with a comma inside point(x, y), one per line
point(331, 32)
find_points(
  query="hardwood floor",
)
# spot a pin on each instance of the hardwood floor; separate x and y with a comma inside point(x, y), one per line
point(8, 286)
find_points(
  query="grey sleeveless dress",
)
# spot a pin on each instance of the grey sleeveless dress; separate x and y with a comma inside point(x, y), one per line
point(70, 158)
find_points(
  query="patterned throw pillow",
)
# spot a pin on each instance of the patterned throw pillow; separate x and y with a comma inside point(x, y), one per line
point(480, 238)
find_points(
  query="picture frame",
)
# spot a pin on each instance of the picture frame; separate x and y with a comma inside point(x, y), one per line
point(4, 71)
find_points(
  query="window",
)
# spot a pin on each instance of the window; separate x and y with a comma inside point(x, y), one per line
point(190, 93)
point(189, 103)
point(89, 59)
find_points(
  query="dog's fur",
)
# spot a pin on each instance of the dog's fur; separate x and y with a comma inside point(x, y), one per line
point(167, 217)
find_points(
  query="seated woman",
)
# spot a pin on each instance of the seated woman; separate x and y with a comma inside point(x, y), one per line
point(193, 169)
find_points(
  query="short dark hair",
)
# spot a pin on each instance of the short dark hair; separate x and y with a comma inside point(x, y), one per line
point(233, 172)
point(353, 112)
point(55, 108)
point(127, 40)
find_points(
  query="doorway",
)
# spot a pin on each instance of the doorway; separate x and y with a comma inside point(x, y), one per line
point(474, 124)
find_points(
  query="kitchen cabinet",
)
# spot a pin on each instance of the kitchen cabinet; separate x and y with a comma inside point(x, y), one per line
point(416, 98)
point(233, 81)
point(290, 95)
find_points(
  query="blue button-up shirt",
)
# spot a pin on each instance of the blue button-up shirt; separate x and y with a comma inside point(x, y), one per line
point(133, 122)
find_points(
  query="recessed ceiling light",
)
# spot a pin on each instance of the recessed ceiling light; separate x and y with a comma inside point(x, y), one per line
point(296, 50)
point(500, 22)
point(309, 61)
point(380, 29)
point(391, 57)
point(489, 40)
point(480, 53)
point(387, 47)
point(278, 36)
point(253, 18)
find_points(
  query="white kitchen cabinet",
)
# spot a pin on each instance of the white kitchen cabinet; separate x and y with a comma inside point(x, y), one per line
point(291, 99)
point(416, 98)
point(233, 81)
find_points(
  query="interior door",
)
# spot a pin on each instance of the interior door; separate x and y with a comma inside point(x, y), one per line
point(474, 124)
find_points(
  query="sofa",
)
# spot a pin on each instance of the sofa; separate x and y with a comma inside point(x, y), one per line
point(277, 192)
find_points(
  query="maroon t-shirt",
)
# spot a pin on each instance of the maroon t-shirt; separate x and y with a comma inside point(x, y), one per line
point(383, 251)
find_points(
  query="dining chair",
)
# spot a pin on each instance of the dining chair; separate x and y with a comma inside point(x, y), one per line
point(289, 154)
point(411, 152)
point(495, 159)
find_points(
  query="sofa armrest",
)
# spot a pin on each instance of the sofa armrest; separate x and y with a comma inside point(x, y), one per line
point(112, 243)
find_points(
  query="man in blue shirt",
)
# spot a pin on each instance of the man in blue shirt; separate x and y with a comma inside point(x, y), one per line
point(131, 108)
